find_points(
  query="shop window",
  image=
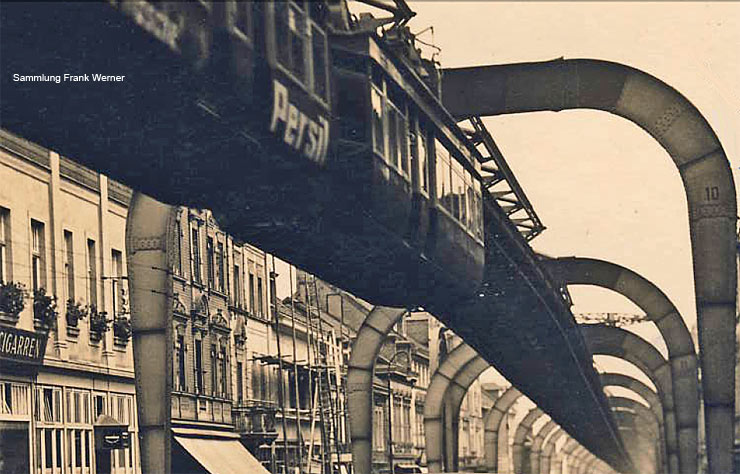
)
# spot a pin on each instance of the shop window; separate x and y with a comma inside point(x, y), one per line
point(48, 405)
point(78, 407)
point(13, 399)
point(79, 450)
point(99, 405)
point(38, 270)
point(50, 450)
point(4, 245)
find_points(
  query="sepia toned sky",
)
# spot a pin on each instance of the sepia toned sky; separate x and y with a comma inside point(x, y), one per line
point(602, 186)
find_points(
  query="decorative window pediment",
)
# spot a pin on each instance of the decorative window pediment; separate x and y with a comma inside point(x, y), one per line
point(218, 321)
point(178, 306)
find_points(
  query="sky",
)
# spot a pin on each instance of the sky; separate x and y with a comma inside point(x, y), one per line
point(602, 186)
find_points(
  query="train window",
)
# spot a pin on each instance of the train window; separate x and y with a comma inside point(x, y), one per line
point(423, 159)
point(291, 38)
point(241, 17)
point(378, 122)
point(389, 125)
point(444, 181)
point(478, 210)
point(301, 47)
point(320, 62)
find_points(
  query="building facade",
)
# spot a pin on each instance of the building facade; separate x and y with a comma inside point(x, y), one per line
point(64, 334)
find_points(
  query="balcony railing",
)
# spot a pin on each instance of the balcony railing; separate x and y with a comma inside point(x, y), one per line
point(255, 417)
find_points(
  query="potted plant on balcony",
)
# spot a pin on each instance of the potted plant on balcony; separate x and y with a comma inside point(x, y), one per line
point(44, 310)
point(12, 302)
point(121, 329)
point(98, 323)
point(75, 312)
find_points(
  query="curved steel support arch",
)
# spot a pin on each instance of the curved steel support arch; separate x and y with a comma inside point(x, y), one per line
point(443, 377)
point(641, 443)
point(616, 342)
point(455, 395)
point(649, 417)
point(539, 440)
point(493, 423)
point(702, 163)
point(661, 311)
point(150, 243)
point(650, 396)
point(360, 372)
point(520, 434)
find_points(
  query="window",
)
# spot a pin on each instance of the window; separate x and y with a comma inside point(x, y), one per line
point(443, 175)
point(241, 17)
point(92, 276)
point(4, 245)
point(224, 372)
point(38, 274)
point(99, 405)
point(78, 407)
point(122, 409)
point(251, 294)
point(198, 366)
point(118, 288)
point(259, 297)
point(220, 266)
point(421, 144)
point(239, 382)
point(180, 354)
point(195, 255)
point(376, 98)
point(389, 124)
point(320, 64)
point(69, 264)
point(48, 405)
point(237, 287)
point(13, 399)
point(214, 370)
point(209, 262)
point(379, 432)
point(177, 250)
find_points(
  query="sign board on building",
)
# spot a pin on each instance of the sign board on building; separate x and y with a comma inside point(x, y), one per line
point(20, 346)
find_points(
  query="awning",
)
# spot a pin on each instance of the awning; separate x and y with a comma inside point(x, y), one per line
point(222, 456)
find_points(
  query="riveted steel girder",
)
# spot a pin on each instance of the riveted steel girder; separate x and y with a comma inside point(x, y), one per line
point(365, 350)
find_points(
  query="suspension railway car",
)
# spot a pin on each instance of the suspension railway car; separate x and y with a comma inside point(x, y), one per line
point(323, 144)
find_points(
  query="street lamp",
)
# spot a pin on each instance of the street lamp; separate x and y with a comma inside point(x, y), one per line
point(389, 368)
